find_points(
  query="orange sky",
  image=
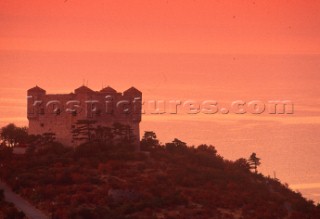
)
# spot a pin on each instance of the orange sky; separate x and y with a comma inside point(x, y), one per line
point(202, 26)
point(179, 49)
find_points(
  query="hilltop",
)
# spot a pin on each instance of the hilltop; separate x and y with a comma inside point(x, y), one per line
point(110, 180)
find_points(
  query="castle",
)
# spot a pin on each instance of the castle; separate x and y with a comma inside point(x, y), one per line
point(60, 113)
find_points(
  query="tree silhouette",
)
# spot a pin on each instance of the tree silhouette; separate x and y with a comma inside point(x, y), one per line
point(104, 135)
point(207, 148)
point(124, 133)
point(83, 130)
point(128, 134)
point(254, 162)
point(149, 141)
point(243, 164)
point(176, 145)
point(12, 135)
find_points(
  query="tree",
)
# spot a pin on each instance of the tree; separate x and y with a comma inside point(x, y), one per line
point(128, 134)
point(104, 135)
point(83, 130)
point(123, 133)
point(5, 152)
point(149, 141)
point(254, 162)
point(179, 144)
point(176, 145)
point(242, 163)
point(12, 135)
point(207, 148)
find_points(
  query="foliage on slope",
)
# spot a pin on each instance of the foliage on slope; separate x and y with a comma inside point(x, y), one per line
point(99, 180)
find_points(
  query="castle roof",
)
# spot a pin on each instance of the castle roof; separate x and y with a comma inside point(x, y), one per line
point(108, 89)
point(36, 89)
point(83, 89)
point(132, 90)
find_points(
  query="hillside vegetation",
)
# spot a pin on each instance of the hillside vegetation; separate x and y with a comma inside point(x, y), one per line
point(109, 180)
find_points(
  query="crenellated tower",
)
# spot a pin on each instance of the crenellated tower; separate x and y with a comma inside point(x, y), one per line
point(59, 113)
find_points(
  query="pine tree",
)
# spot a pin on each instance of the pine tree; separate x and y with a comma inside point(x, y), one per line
point(254, 162)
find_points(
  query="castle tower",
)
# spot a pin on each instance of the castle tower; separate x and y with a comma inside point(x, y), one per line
point(135, 96)
point(35, 108)
point(59, 113)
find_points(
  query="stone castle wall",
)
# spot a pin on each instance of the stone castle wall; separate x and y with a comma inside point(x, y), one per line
point(58, 113)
